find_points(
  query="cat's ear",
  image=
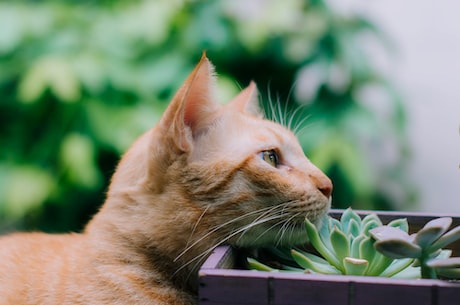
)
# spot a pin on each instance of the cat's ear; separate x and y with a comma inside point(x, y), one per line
point(192, 106)
point(247, 101)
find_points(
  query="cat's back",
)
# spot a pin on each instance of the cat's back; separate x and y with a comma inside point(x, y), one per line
point(51, 269)
point(49, 258)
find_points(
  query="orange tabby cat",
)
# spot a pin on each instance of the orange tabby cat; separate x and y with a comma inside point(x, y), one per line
point(206, 174)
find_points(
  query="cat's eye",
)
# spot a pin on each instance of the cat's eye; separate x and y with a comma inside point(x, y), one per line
point(271, 157)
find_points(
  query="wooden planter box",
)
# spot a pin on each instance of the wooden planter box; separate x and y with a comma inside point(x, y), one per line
point(222, 283)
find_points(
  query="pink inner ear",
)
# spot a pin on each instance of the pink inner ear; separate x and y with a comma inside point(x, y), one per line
point(199, 101)
point(246, 101)
point(193, 111)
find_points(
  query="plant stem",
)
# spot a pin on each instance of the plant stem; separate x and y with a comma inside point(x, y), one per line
point(426, 272)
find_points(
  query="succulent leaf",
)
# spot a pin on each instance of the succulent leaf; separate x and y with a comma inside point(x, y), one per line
point(334, 223)
point(346, 218)
point(398, 248)
point(311, 256)
point(453, 273)
point(383, 233)
point(446, 239)
point(366, 227)
point(256, 265)
point(355, 245)
point(432, 231)
point(316, 241)
point(371, 218)
point(409, 272)
point(353, 228)
point(441, 222)
point(355, 266)
point(400, 223)
point(366, 249)
point(340, 243)
point(397, 266)
point(283, 254)
point(447, 267)
point(306, 261)
point(451, 262)
point(379, 264)
point(324, 232)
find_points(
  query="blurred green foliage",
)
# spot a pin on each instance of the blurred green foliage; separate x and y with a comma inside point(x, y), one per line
point(79, 80)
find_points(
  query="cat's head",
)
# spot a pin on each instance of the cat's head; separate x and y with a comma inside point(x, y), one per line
point(225, 171)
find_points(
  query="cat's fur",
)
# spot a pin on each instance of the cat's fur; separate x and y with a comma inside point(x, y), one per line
point(194, 181)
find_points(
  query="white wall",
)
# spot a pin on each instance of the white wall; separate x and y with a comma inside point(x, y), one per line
point(427, 71)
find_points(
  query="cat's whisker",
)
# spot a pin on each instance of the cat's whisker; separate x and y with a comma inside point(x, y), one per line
point(294, 117)
point(283, 222)
point(273, 211)
point(273, 113)
point(263, 213)
point(225, 239)
point(288, 224)
point(215, 229)
point(300, 126)
point(196, 225)
point(246, 228)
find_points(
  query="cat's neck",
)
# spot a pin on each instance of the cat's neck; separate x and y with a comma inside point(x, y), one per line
point(168, 244)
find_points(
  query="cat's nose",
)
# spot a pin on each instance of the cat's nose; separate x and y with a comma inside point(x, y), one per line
point(323, 184)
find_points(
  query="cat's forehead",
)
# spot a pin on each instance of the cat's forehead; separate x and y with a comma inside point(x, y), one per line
point(237, 135)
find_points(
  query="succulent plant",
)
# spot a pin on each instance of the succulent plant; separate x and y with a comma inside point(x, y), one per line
point(355, 246)
point(345, 247)
point(425, 247)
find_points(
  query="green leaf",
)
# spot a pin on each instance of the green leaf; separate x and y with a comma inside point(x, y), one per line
point(397, 266)
point(371, 218)
point(340, 244)
point(354, 228)
point(355, 246)
point(386, 233)
point(282, 254)
point(315, 240)
point(324, 231)
point(77, 156)
point(367, 250)
point(446, 239)
point(432, 231)
point(369, 226)
point(447, 267)
point(451, 262)
point(335, 223)
point(398, 248)
point(27, 187)
point(400, 223)
point(51, 72)
point(355, 266)
point(409, 272)
point(314, 264)
point(379, 263)
point(314, 258)
point(370, 222)
point(256, 265)
point(347, 216)
point(452, 273)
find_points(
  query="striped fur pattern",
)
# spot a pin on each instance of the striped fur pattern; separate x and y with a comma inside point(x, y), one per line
point(205, 175)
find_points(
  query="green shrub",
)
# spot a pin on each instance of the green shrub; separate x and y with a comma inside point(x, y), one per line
point(79, 80)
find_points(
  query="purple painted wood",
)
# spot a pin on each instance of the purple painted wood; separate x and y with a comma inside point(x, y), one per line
point(309, 290)
point(219, 284)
